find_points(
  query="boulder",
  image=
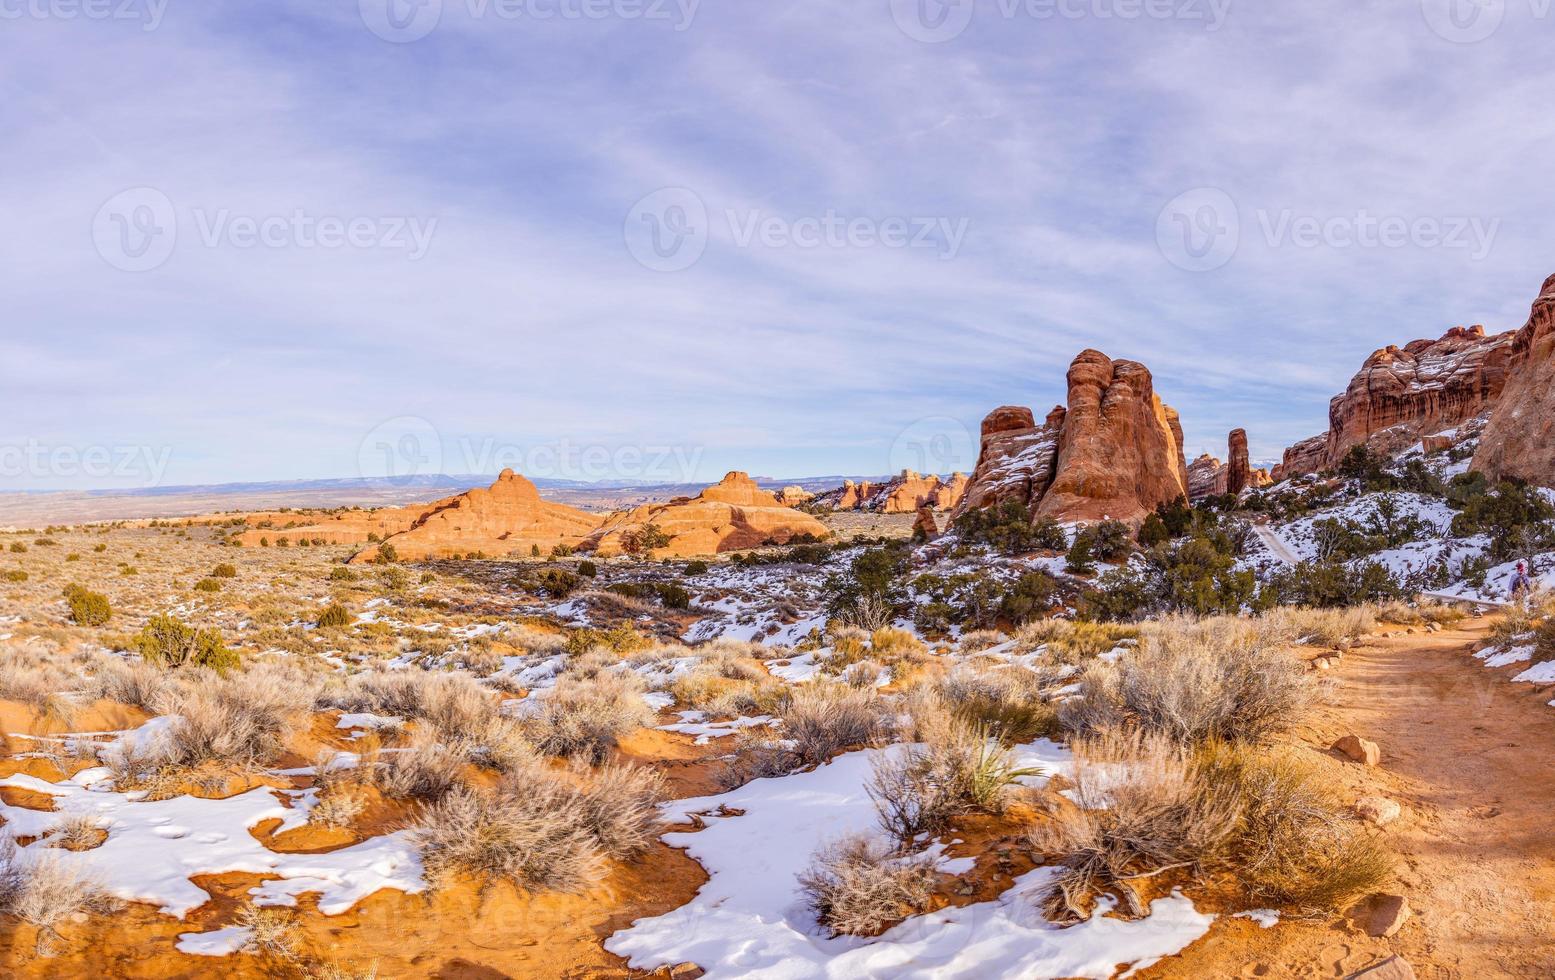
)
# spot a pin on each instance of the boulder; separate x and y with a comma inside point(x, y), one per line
point(793, 496)
point(1519, 440)
point(1358, 749)
point(1378, 810)
point(950, 492)
point(1392, 968)
point(733, 515)
point(1386, 915)
point(506, 518)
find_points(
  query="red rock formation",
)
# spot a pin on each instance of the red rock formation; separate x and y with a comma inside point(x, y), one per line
point(793, 496)
point(733, 515)
point(924, 527)
point(510, 517)
point(1206, 478)
point(1520, 439)
point(1116, 451)
point(855, 495)
point(1402, 394)
point(908, 492)
point(950, 492)
point(903, 494)
point(1016, 460)
point(1239, 470)
point(1118, 456)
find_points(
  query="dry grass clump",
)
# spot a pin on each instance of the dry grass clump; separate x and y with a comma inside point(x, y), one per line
point(978, 640)
point(1514, 626)
point(1142, 805)
point(956, 768)
point(426, 769)
point(43, 889)
point(132, 682)
point(825, 718)
point(453, 703)
point(1324, 627)
point(1072, 642)
point(342, 787)
point(1402, 613)
point(582, 718)
point(540, 832)
point(234, 719)
point(1195, 681)
point(1010, 703)
point(858, 887)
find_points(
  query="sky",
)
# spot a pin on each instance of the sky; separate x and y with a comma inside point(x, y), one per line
point(657, 240)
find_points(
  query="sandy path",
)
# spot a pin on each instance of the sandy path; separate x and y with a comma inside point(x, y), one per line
point(1468, 756)
point(1276, 544)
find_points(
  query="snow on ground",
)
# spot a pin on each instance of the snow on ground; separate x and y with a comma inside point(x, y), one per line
point(750, 921)
point(154, 847)
point(1538, 674)
point(695, 723)
point(1498, 581)
point(217, 942)
point(1498, 657)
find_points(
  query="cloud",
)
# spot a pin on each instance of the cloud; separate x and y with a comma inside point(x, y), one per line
point(523, 144)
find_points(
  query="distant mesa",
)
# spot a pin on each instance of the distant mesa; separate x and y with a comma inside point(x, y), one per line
point(1115, 451)
point(733, 515)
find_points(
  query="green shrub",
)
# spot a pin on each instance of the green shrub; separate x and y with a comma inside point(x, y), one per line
point(1030, 597)
point(224, 570)
point(1009, 529)
point(170, 642)
point(18, 548)
point(588, 569)
point(698, 567)
point(334, 616)
point(341, 573)
point(207, 585)
point(87, 608)
point(99, 548)
point(15, 575)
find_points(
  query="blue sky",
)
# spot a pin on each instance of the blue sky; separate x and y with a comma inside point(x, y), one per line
point(1249, 198)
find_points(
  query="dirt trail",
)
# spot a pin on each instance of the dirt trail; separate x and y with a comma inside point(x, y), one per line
point(1468, 756)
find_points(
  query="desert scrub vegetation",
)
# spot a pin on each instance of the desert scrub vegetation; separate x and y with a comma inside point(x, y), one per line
point(822, 719)
point(857, 886)
point(583, 717)
point(334, 616)
point(539, 831)
point(87, 608)
point(170, 642)
point(41, 889)
point(1143, 806)
point(1192, 681)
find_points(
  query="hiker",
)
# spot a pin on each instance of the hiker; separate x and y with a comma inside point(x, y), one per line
point(1521, 583)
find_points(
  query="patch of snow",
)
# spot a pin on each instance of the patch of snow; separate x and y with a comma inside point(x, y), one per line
point(218, 942)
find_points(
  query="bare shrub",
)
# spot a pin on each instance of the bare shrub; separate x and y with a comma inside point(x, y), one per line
point(823, 719)
point(583, 719)
point(1009, 703)
point(856, 886)
point(619, 809)
point(1193, 682)
point(957, 768)
point(427, 769)
point(1142, 805)
point(532, 836)
point(43, 889)
point(236, 718)
point(132, 682)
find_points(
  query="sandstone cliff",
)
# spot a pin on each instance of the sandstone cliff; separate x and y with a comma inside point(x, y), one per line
point(732, 515)
point(1520, 439)
point(1402, 394)
point(903, 494)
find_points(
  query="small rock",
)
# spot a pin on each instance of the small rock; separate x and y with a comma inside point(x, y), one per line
point(1392, 968)
point(1434, 628)
point(1388, 915)
point(1321, 663)
point(690, 971)
point(1378, 810)
point(1358, 749)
